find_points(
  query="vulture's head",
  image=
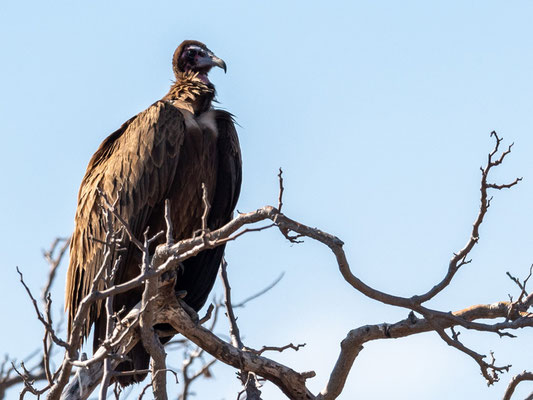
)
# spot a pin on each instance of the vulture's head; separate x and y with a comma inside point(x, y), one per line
point(194, 56)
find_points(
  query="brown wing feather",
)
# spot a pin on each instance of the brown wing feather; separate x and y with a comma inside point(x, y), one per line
point(229, 167)
point(136, 165)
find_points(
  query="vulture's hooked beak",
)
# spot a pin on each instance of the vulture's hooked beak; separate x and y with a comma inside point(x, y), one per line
point(210, 60)
point(219, 62)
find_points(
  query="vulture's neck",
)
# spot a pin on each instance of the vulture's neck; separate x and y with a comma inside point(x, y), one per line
point(191, 93)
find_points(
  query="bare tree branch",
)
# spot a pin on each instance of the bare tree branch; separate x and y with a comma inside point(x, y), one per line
point(459, 258)
point(281, 189)
point(524, 376)
point(280, 349)
point(234, 329)
point(352, 345)
point(40, 317)
point(54, 263)
point(260, 293)
point(159, 305)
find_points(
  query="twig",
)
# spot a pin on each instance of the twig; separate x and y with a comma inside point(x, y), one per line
point(260, 293)
point(47, 343)
point(521, 285)
point(141, 395)
point(109, 281)
point(234, 329)
point(112, 208)
point(280, 349)
point(40, 317)
point(207, 208)
point(150, 340)
point(189, 379)
point(168, 221)
point(281, 189)
point(489, 370)
point(54, 263)
point(247, 378)
point(208, 314)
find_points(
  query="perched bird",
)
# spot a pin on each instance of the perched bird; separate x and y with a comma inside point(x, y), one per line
point(165, 152)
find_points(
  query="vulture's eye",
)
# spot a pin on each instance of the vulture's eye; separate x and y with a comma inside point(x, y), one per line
point(191, 53)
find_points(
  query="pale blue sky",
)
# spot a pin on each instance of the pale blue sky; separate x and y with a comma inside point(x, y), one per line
point(379, 113)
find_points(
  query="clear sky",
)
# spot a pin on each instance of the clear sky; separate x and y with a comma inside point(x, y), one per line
point(379, 113)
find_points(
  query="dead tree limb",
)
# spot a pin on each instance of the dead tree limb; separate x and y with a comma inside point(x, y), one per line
point(524, 376)
point(160, 305)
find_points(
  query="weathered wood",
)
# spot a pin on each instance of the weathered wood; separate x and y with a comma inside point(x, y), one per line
point(87, 378)
point(170, 311)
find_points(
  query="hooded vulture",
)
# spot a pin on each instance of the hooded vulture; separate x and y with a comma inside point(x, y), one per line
point(165, 152)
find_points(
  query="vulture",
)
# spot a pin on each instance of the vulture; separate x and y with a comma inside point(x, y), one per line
point(165, 152)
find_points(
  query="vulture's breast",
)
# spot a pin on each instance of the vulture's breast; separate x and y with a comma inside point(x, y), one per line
point(198, 163)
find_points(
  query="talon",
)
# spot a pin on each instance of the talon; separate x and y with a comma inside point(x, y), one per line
point(180, 294)
point(169, 276)
point(189, 310)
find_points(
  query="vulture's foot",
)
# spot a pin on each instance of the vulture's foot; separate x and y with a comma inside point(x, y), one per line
point(169, 277)
point(189, 310)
